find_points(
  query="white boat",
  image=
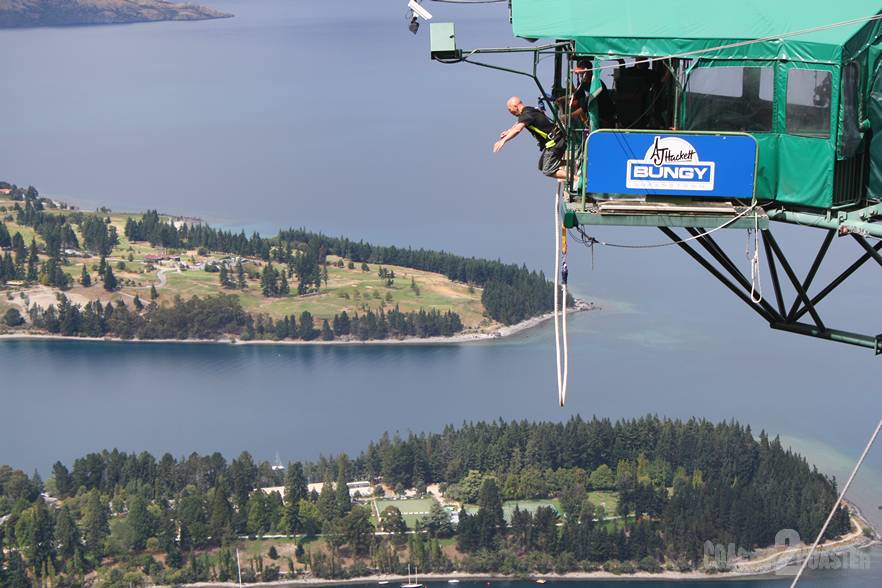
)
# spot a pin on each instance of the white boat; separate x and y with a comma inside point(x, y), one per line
point(415, 583)
point(453, 581)
point(383, 582)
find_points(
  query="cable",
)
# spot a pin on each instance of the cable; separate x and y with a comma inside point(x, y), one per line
point(590, 241)
point(851, 478)
point(747, 42)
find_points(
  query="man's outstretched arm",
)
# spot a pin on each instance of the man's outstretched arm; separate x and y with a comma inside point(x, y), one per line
point(507, 136)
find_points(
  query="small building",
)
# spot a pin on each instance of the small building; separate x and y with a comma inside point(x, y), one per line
point(155, 257)
point(6, 191)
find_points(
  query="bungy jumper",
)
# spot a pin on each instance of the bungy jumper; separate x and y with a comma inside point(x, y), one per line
point(718, 116)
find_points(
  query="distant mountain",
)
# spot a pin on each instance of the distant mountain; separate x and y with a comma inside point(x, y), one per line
point(37, 13)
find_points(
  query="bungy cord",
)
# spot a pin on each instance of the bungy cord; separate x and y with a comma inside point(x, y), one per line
point(561, 272)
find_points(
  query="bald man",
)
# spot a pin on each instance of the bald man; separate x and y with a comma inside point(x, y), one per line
point(546, 133)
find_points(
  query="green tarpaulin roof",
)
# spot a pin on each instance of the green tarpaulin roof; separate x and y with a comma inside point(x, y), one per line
point(666, 27)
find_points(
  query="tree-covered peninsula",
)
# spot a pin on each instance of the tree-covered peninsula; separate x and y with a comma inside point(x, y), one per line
point(502, 497)
point(150, 276)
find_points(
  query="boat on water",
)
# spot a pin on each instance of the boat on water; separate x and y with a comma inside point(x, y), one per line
point(415, 582)
point(453, 581)
point(540, 581)
point(383, 582)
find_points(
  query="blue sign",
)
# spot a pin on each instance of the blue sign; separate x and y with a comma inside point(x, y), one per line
point(671, 164)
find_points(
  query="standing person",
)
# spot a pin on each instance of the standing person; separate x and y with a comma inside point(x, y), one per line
point(583, 98)
point(549, 136)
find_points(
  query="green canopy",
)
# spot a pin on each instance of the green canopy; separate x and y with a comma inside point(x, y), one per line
point(671, 27)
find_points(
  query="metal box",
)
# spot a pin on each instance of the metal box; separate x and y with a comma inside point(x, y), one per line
point(443, 40)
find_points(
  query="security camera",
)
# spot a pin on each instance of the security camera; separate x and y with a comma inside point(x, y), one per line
point(414, 25)
point(419, 10)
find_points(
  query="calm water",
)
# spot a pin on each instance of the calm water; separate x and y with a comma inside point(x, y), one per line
point(847, 579)
point(330, 115)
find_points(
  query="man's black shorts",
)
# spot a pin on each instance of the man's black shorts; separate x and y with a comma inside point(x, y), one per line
point(551, 159)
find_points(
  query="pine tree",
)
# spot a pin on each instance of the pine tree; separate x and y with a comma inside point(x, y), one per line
point(307, 326)
point(32, 262)
point(139, 306)
point(110, 283)
point(85, 279)
point(220, 521)
point(141, 522)
point(153, 293)
point(224, 277)
point(67, 534)
point(95, 524)
point(240, 276)
point(344, 501)
point(327, 333)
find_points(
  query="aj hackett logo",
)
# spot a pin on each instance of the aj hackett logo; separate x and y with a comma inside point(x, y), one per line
point(671, 164)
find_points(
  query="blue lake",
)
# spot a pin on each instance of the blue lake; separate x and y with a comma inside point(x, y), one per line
point(330, 116)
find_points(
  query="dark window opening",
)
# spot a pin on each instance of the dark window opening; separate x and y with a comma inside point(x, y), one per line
point(809, 94)
point(734, 99)
point(850, 139)
point(636, 94)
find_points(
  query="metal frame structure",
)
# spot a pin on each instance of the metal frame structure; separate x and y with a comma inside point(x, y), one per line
point(781, 316)
point(557, 50)
point(857, 222)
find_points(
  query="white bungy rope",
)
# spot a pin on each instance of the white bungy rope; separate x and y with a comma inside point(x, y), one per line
point(562, 375)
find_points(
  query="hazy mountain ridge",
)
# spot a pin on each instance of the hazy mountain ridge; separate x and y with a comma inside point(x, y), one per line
point(34, 13)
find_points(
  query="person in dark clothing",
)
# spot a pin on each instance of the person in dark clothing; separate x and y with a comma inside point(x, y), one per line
point(546, 133)
point(582, 97)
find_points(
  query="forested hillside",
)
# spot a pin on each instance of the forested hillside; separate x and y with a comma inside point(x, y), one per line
point(42, 13)
point(668, 486)
point(297, 285)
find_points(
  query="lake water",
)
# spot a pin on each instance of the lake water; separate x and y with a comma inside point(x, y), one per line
point(330, 115)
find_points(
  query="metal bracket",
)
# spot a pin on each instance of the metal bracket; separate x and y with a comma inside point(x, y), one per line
point(878, 344)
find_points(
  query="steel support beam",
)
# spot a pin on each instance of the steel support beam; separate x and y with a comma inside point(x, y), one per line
point(836, 335)
point(796, 284)
point(874, 253)
point(819, 258)
point(837, 281)
point(711, 246)
point(717, 274)
point(777, 319)
point(776, 282)
point(856, 221)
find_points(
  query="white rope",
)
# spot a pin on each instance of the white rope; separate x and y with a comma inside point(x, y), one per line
point(566, 351)
point(556, 293)
point(562, 374)
point(851, 478)
point(756, 285)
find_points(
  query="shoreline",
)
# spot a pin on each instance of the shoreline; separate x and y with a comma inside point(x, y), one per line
point(751, 569)
point(503, 332)
point(598, 576)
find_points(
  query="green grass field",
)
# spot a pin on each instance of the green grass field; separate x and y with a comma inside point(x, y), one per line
point(350, 290)
point(609, 500)
point(412, 509)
